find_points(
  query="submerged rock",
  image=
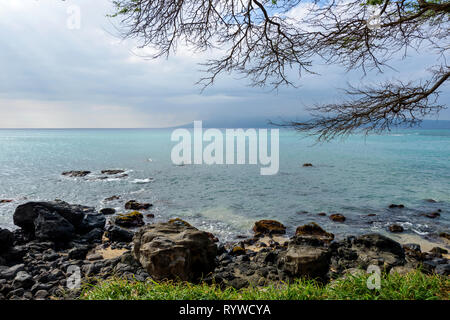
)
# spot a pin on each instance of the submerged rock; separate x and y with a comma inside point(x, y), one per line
point(112, 198)
point(396, 228)
point(432, 215)
point(76, 174)
point(337, 217)
point(174, 251)
point(112, 172)
point(134, 205)
point(264, 227)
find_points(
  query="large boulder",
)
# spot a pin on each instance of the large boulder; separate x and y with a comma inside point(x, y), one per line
point(174, 251)
point(305, 258)
point(6, 239)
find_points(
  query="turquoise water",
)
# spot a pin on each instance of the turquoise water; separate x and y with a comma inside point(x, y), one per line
point(355, 177)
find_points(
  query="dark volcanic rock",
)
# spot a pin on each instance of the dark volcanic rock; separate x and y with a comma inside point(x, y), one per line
point(6, 239)
point(25, 215)
point(396, 206)
point(395, 228)
point(51, 226)
point(76, 173)
point(130, 220)
point(95, 235)
point(117, 234)
point(78, 253)
point(443, 269)
point(445, 235)
point(23, 280)
point(92, 221)
point(171, 251)
point(11, 272)
point(307, 165)
point(112, 198)
point(337, 217)
point(59, 221)
point(365, 250)
point(134, 205)
point(112, 172)
point(313, 230)
point(432, 215)
point(264, 227)
point(305, 257)
point(107, 211)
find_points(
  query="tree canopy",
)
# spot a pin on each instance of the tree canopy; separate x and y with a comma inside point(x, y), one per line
point(264, 40)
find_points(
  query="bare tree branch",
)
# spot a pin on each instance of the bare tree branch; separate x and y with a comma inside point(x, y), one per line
point(264, 41)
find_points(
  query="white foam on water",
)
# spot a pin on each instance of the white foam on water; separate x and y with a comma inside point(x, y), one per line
point(142, 181)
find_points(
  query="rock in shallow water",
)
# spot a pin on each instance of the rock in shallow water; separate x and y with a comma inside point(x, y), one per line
point(313, 230)
point(107, 211)
point(134, 205)
point(75, 174)
point(337, 217)
point(395, 228)
point(264, 227)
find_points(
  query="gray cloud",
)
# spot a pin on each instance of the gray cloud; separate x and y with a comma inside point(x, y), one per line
point(52, 76)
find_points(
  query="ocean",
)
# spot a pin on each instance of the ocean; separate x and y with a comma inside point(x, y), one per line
point(356, 177)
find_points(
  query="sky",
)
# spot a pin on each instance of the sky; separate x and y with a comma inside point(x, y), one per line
point(55, 76)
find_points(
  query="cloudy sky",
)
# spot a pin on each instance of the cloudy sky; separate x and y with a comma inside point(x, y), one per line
point(52, 76)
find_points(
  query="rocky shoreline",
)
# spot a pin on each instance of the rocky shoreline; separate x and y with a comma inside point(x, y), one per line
point(54, 239)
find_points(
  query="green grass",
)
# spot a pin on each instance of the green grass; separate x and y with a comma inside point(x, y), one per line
point(413, 286)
